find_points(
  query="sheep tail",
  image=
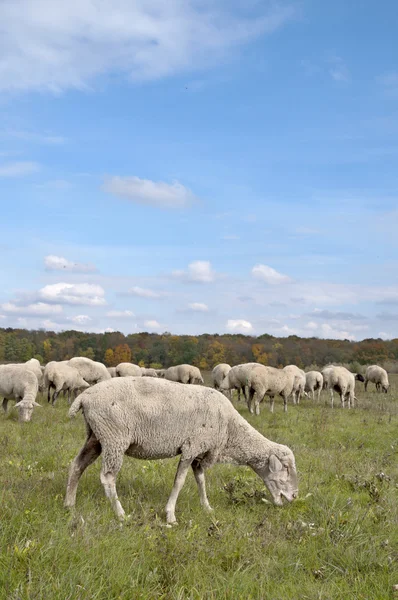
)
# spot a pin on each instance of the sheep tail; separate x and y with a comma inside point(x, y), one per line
point(76, 406)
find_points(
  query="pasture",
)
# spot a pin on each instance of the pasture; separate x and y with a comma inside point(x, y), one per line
point(339, 540)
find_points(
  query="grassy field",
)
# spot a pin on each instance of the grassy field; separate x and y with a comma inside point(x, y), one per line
point(339, 540)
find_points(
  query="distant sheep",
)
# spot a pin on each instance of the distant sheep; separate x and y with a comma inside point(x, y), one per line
point(61, 377)
point(267, 381)
point(313, 383)
point(184, 374)
point(378, 376)
point(236, 379)
point(218, 375)
point(93, 372)
point(152, 418)
point(339, 379)
point(20, 384)
point(125, 369)
point(112, 371)
point(148, 372)
point(298, 383)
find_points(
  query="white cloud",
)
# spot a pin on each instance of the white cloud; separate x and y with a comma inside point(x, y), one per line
point(144, 292)
point(80, 319)
point(152, 324)
point(31, 136)
point(384, 335)
point(339, 70)
point(18, 169)
point(74, 293)
point(311, 326)
point(150, 193)
point(38, 308)
point(120, 314)
point(50, 325)
point(198, 271)
point(239, 326)
point(56, 45)
point(329, 332)
point(269, 275)
point(59, 263)
point(198, 307)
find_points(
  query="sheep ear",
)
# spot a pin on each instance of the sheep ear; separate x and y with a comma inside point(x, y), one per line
point(275, 464)
point(36, 404)
point(18, 404)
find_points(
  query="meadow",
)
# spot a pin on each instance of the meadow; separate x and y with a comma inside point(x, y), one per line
point(339, 540)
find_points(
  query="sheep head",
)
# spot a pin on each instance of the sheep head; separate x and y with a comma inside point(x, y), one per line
point(280, 476)
point(25, 409)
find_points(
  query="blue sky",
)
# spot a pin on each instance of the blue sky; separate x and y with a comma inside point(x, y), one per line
point(199, 166)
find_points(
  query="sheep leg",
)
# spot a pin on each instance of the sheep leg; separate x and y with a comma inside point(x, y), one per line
point(5, 404)
point(179, 481)
point(319, 394)
point(199, 473)
point(366, 385)
point(250, 400)
point(257, 399)
point(112, 461)
point(331, 396)
point(49, 392)
point(87, 455)
point(271, 403)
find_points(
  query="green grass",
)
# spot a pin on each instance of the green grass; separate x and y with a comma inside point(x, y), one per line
point(339, 542)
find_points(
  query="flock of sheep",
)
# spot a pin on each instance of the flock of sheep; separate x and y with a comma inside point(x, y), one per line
point(148, 414)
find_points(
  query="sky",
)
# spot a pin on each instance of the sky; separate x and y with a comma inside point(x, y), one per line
point(199, 167)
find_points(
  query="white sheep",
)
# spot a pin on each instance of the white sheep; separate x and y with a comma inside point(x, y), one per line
point(112, 371)
point(378, 376)
point(125, 369)
point(152, 418)
point(91, 371)
point(21, 384)
point(62, 377)
point(236, 378)
point(313, 383)
point(268, 381)
point(339, 379)
point(218, 375)
point(298, 384)
point(148, 372)
point(184, 374)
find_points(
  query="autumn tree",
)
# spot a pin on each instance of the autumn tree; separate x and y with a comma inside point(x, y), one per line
point(122, 353)
point(109, 358)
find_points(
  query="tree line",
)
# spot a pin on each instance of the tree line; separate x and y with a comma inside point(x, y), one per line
point(204, 351)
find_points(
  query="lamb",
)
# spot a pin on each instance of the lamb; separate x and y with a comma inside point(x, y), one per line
point(125, 369)
point(236, 378)
point(313, 383)
point(341, 380)
point(148, 372)
point(62, 377)
point(378, 376)
point(298, 384)
point(152, 418)
point(112, 371)
point(218, 374)
point(19, 383)
point(184, 374)
point(91, 371)
point(268, 381)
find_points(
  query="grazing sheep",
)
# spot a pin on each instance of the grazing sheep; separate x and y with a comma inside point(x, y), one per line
point(236, 378)
point(148, 372)
point(184, 374)
point(218, 374)
point(93, 372)
point(112, 371)
point(298, 384)
point(152, 418)
point(378, 376)
point(62, 377)
point(267, 381)
point(313, 383)
point(160, 372)
point(128, 370)
point(339, 379)
point(19, 383)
